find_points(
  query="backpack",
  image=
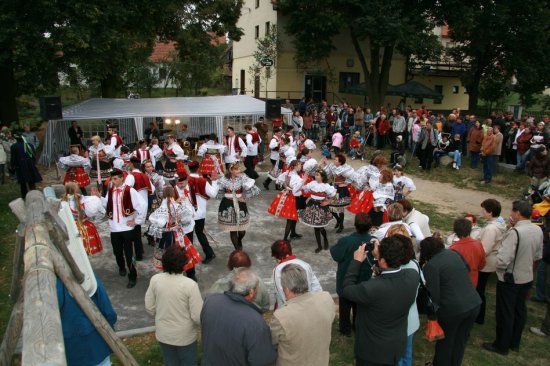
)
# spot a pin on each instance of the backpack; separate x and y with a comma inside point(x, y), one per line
point(400, 229)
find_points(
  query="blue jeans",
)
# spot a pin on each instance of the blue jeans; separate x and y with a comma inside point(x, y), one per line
point(474, 159)
point(488, 168)
point(521, 158)
point(457, 157)
point(406, 360)
point(540, 282)
point(179, 355)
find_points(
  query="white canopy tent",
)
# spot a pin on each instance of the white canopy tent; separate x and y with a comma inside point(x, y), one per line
point(206, 115)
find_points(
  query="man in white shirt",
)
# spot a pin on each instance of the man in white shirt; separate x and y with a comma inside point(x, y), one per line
point(201, 190)
point(274, 146)
point(236, 148)
point(252, 142)
point(115, 142)
point(125, 209)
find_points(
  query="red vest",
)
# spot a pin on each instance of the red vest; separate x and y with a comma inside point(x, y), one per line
point(127, 207)
point(143, 154)
point(278, 139)
point(197, 186)
point(118, 140)
point(236, 144)
point(255, 137)
point(142, 182)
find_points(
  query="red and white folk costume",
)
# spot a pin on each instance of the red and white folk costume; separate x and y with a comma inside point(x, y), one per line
point(211, 153)
point(100, 163)
point(172, 168)
point(363, 179)
point(141, 184)
point(83, 209)
point(284, 205)
point(77, 168)
point(235, 149)
point(144, 153)
point(114, 145)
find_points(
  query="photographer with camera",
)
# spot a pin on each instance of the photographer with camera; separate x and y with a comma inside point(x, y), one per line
point(520, 251)
point(383, 302)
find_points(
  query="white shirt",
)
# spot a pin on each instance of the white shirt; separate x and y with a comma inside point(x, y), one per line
point(210, 145)
point(413, 229)
point(74, 161)
point(144, 193)
point(185, 200)
point(155, 151)
point(313, 282)
point(273, 144)
point(404, 182)
point(422, 220)
point(295, 182)
point(141, 154)
point(231, 155)
point(316, 187)
point(119, 222)
point(176, 149)
point(252, 147)
point(211, 190)
point(111, 148)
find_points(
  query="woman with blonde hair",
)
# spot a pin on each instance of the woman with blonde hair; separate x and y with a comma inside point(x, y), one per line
point(83, 208)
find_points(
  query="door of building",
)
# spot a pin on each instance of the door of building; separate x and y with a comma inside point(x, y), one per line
point(315, 87)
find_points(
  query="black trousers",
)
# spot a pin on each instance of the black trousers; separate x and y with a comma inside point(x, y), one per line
point(249, 167)
point(345, 321)
point(481, 285)
point(203, 240)
point(138, 244)
point(450, 350)
point(510, 314)
point(427, 156)
point(122, 242)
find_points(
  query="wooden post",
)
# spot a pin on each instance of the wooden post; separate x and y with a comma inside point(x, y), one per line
point(17, 264)
point(42, 334)
point(13, 331)
point(92, 312)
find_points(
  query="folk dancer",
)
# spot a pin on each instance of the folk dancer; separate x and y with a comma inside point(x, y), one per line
point(289, 201)
point(309, 164)
point(201, 190)
point(233, 215)
point(100, 161)
point(383, 195)
point(211, 153)
point(76, 167)
point(303, 141)
point(175, 158)
point(341, 174)
point(167, 227)
point(83, 209)
point(143, 152)
point(142, 185)
point(235, 148)
point(253, 140)
point(317, 213)
point(183, 197)
point(363, 179)
point(115, 142)
point(276, 163)
point(157, 153)
point(125, 209)
point(155, 197)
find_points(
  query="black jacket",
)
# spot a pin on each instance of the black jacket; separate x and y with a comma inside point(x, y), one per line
point(383, 305)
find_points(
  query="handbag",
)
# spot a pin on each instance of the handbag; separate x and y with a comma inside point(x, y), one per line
point(509, 276)
point(433, 331)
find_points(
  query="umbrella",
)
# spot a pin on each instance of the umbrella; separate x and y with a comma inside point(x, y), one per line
point(413, 89)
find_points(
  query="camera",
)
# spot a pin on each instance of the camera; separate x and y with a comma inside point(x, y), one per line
point(370, 245)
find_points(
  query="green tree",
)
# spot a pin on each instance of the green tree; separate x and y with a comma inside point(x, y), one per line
point(506, 36)
point(266, 48)
point(376, 28)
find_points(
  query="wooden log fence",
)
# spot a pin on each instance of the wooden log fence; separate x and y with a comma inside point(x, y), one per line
point(41, 245)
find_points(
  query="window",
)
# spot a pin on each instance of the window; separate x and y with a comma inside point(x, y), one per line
point(267, 28)
point(162, 73)
point(257, 32)
point(348, 79)
point(418, 100)
point(456, 89)
point(257, 4)
point(439, 89)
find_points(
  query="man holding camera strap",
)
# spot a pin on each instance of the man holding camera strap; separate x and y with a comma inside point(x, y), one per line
point(521, 250)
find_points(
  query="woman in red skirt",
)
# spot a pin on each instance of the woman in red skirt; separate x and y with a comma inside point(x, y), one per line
point(211, 153)
point(290, 200)
point(83, 208)
point(363, 180)
point(76, 167)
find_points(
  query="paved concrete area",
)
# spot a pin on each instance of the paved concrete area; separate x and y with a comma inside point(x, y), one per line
point(264, 230)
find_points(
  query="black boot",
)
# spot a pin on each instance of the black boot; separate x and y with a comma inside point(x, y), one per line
point(340, 222)
point(266, 184)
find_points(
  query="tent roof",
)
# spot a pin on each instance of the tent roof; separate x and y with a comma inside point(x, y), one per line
point(230, 105)
point(413, 89)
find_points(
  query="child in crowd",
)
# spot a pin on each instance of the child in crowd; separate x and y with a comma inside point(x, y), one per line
point(325, 150)
point(402, 185)
point(354, 144)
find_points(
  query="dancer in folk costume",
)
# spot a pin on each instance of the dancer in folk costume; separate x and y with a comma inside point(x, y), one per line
point(253, 141)
point(142, 185)
point(233, 214)
point(201, 190)
point(77, 167)
point(274, 157)
point(155, 197)
point(143, 152)
point(125, 209)
point(167, 227)
point(287, 152)
point(341, 174)
point(114, 142)
point(83, 209)
point(211, 153)
point(175, 158)
point(100, 161)
point(303, 142)
point(289, 201)
point(363, 180)
point(309, 164)
point(157, 153)
point(383, 195)
point(235, 148)
point(317, 213)
point(402, 185)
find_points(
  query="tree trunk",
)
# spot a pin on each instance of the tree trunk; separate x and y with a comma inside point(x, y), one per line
point(472, 86)
point(109, 87)
point(8, 101)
